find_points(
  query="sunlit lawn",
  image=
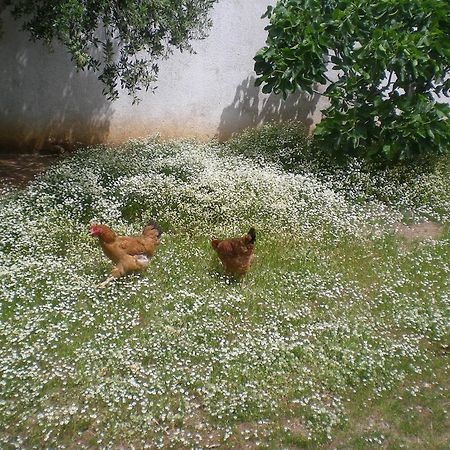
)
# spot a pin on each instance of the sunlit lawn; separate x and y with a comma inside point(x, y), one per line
point(336, 338)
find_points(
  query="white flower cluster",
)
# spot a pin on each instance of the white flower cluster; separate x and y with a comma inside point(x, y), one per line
point(181, 356)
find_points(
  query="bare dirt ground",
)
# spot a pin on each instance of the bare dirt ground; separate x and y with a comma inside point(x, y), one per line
point(21, 168)
point(419, 231)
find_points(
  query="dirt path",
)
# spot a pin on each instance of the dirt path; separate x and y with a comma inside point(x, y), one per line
point(21, 168)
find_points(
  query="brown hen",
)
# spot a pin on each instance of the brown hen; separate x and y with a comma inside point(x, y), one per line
point(128, 253)
point(236, 254)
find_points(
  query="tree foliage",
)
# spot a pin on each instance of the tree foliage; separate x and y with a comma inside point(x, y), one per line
point(386, 65)
point(122, 40)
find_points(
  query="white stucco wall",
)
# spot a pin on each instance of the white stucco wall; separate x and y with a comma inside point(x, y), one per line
point(210, 93)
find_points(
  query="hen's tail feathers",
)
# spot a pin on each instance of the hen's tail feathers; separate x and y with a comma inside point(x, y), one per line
point(252, 234)
point(155, 226)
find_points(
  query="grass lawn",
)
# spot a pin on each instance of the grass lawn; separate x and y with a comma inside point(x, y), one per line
point(337, 338)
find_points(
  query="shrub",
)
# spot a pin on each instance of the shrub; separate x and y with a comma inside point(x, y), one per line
point(391, 62)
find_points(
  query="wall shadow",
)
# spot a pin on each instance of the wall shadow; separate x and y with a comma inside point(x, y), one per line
point(251, 108)
point(44, 102)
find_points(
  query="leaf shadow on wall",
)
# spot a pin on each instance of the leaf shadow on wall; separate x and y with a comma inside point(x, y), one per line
point(251, 108)
point(44, 100)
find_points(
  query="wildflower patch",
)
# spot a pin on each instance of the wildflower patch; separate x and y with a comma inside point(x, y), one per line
point(334, 307)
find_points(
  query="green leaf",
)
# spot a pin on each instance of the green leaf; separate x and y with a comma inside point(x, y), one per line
point(365, 41)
